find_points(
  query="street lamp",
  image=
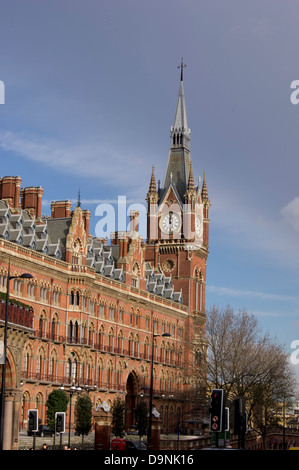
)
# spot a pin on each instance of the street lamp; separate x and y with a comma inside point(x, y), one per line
point(9, 277)
point(90, 388)
point(149, 434)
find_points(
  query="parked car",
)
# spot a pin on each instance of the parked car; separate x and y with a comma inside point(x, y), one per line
point(135, 445)
point(43, 430)
point(133, 430)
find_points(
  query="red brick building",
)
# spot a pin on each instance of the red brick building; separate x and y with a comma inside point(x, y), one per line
point(95, 306)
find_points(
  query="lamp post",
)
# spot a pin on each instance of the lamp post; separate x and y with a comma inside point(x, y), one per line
point(9, 277)
point(149, 434)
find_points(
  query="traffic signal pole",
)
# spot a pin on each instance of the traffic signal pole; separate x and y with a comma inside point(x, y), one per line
point(240, 421)
point(219, 418)
point(218, 414)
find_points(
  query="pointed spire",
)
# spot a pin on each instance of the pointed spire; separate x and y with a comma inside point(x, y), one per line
point(152, 190)
point(191, 184)
point(191, 189)
point(178, 165)
point(204, 189)
point(152, 186)
point(180, 120)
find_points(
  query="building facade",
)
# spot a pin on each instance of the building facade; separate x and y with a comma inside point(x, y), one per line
point(95, 312)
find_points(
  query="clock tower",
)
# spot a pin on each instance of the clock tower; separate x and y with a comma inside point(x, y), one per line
point(178, 217)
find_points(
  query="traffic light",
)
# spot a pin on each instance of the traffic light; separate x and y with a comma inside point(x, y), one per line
point(217, 410)
point(60, 421)
point(33, 420)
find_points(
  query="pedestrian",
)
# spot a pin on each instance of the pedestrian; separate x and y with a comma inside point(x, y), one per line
point(45, 447)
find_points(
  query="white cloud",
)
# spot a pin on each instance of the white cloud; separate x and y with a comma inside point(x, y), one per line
point(226, 291)
point(291, 213)
point(47, 202)
point(248, 226)
point(91, 160)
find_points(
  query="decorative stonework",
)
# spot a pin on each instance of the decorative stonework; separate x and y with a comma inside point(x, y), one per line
point(168, 265)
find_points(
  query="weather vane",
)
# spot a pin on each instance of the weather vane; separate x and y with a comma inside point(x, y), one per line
point(182, 66)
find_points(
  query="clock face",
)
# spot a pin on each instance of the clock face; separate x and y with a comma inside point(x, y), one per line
point(168, 265)
point(197, 225)
point(76, 246)
point(170, 222)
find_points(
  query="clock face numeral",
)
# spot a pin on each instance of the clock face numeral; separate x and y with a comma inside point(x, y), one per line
point(171, 222)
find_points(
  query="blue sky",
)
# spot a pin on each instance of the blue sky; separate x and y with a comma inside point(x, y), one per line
point(90, 96)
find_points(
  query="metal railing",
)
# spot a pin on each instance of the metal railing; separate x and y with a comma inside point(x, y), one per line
point(16, 314)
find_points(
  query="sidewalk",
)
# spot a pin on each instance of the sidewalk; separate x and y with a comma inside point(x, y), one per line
point(26, 442)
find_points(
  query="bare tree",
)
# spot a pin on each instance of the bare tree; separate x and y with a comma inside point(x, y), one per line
point(246, 362)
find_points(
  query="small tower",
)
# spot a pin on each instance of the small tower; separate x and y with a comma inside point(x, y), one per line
point(206, 207)
point(152, 202)
point(189, 207)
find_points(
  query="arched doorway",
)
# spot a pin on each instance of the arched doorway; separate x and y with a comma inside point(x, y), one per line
point(133, 392)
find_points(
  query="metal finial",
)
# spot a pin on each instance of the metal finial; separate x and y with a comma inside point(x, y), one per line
point(79, 199)
point(182, 66)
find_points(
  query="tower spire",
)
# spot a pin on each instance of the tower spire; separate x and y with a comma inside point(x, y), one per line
point(190, 190)
point(191, 184)
point(180, 119)
point(204, 190)
point(152, 186)
point(152, 190)
point(179, 158)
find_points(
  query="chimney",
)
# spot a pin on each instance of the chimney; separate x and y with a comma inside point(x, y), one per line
point(10, 190)
point(134, 221)
point(123, 244)
point(60, 209)
point(86, 217)
point(31, 200)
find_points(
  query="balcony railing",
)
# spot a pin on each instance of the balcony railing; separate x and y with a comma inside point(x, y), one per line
point(101, 385)
point(52, 378)
point(18, 315)
point(134, 354)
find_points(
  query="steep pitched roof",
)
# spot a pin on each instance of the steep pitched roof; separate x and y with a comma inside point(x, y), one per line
point(179, 158)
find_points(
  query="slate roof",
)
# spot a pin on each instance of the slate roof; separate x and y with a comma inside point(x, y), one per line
point(162, 285)
point(49, 238)
point(20, 228)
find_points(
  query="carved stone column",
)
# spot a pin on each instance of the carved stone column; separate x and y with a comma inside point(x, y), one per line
point(11, 421)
